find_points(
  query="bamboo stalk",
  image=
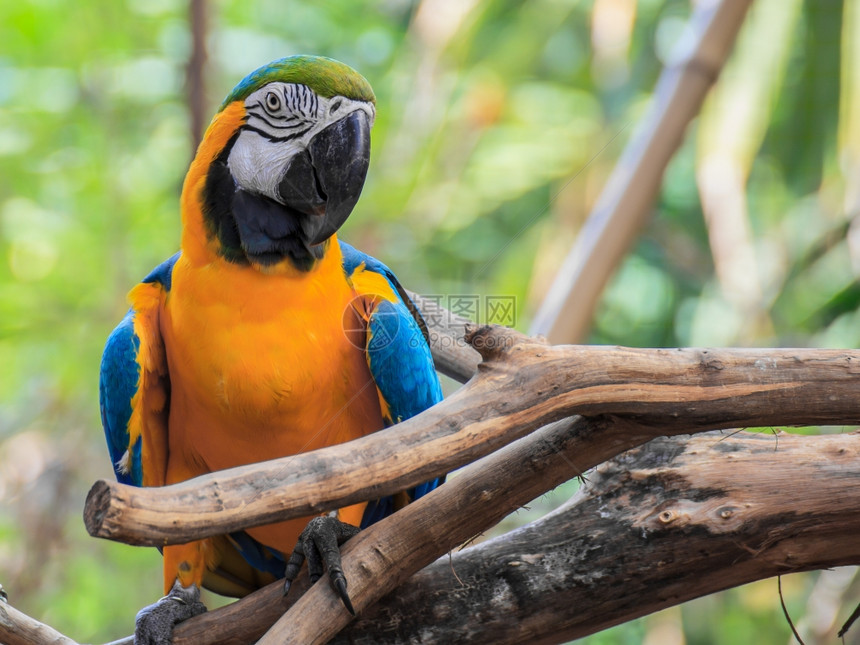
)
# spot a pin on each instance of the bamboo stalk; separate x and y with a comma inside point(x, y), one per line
point(628, 197)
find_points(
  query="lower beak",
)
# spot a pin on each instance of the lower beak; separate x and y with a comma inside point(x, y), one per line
point(325, 181)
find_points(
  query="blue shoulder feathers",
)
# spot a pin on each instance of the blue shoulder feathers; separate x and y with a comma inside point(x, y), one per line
point(397, 349)
point(163, 273)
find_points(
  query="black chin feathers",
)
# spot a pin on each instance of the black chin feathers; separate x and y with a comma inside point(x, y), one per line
point(270, 232)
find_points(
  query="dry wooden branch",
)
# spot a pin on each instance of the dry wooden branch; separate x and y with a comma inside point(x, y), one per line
point(17, 628)
point(541, 461)
point(379, 559)
point(521, 385)
point(628, 197)
point(549, 456)
point(670, 521)
point(501, 483)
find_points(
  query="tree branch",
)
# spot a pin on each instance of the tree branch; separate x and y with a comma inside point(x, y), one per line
point(550, 456)
point(378, 559)
point(667, 522)
point(521, 385)
point(17, 628)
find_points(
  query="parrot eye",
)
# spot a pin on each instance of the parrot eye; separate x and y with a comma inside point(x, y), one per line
point(335, 105)
point(273, 102)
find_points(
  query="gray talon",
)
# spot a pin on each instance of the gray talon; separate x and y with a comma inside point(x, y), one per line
point(340, 584)
point(154, 624)
point(319, 543)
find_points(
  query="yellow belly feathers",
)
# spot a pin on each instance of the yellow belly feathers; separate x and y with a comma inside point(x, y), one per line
point(260, 368)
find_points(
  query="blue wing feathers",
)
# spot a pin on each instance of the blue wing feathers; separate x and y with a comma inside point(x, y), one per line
point(377, 510)
point(398, 354)
point(352, 258)
point(258, 555)
point(401, 363)
point(118, 381)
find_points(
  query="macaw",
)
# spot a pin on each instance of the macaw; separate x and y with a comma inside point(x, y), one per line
point(265, 336)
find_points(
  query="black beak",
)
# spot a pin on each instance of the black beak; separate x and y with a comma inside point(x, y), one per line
point(325, 181)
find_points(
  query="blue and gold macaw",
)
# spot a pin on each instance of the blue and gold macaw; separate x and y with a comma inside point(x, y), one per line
point(265, 336)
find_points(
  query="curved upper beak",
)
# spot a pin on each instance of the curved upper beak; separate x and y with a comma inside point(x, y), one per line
point(325, 181)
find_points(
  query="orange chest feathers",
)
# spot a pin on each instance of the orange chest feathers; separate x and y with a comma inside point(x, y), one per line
point(262, 366)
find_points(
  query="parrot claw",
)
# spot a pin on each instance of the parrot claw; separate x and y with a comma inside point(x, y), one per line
point(339, 583)
point(319, 543)
point(154, 624)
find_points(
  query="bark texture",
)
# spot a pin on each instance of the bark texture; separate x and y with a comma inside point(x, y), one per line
point(663, 523)
point(17, 628)
point(670, 521)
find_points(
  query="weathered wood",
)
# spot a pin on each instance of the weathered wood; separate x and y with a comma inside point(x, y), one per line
point(451, 353)
point(594, 441)
point(523, 470)
point(670, 521)
point(489, 489)
point(17, 628)
point(521, 385)
point(382, 557)
point(424, 530)
point(627, 200)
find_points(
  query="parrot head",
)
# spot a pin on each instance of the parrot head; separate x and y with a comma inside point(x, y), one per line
point(283, 163)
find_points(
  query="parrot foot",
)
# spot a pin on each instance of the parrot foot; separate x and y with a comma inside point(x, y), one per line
point(154, 624)
point(319, 543)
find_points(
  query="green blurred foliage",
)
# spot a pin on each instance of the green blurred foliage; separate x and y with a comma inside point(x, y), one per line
point(499, 121)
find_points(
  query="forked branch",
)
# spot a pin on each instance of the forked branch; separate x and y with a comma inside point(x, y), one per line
point(667, 522)
point(731, 490)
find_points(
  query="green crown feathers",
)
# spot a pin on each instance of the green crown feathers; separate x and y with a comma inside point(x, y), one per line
point(325, 76)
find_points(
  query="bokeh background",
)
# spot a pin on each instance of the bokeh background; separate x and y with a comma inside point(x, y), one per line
point(498, 123)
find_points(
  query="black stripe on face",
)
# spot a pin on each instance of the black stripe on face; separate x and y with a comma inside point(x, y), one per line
point(273, 138)
point(291, 99)
point(298, 122)
point(301, 100)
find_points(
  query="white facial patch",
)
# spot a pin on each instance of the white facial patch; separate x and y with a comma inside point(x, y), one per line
point(282, 119)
